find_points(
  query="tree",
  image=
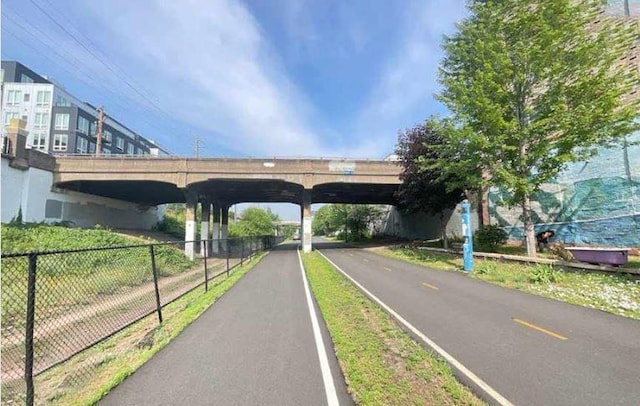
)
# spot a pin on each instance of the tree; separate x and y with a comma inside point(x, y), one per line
point(425, 187)
point(253, 221)
point(534, 85)
point(351, 220)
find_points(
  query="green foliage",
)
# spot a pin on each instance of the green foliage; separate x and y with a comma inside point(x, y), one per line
point(485, 267)
point(425, 187)
point(254, 221)
point(173, 221)
point(533, 86)
point(489, 237)
point(350, 221)
point(544, 274)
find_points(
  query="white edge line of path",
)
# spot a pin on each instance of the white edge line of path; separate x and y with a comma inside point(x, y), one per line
point(327, 377)
point(488, 390)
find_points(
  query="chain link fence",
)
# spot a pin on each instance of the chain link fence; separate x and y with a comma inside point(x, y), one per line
point(57, 304)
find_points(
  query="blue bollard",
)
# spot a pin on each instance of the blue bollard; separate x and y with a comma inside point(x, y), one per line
point(467, 232)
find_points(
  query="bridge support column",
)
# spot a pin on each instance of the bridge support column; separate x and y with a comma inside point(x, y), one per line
point(190, 225)
point(224, 229)
point(216, 229)
point(204, 228)
point(306, 221)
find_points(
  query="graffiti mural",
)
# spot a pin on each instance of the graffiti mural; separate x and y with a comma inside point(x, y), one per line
point(593, 202)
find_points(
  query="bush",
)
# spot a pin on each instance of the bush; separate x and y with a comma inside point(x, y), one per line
point(489, 238)
point(542, 274)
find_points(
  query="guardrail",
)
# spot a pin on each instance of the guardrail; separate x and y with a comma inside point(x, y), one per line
point(57, 304)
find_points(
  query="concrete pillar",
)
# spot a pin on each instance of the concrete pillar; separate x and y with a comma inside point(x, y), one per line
point(190, 224)
point(204, 227)
point(306, 221)
point(216, 228)
point(224, 229)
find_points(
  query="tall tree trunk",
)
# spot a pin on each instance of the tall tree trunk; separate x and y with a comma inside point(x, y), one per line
point(443, 232)
point(528, 227)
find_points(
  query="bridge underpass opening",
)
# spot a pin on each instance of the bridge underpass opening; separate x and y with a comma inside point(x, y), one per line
point(217, 195)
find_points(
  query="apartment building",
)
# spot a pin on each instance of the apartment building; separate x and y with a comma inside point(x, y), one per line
point(59, 123)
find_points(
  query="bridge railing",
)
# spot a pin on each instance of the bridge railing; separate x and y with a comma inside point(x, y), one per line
point(249, 158)
point(57, 304)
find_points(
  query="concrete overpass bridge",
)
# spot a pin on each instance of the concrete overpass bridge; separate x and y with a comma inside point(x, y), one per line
point(218, 183)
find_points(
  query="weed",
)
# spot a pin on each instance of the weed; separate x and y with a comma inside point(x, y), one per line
point(544, 274)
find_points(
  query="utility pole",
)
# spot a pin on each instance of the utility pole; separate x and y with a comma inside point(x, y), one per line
point(99, 133)
point(197, 143)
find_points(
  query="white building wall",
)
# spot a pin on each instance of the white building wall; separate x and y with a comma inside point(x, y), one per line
point(31, 191)
point(29, 108)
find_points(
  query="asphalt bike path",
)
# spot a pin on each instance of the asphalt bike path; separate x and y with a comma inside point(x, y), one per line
point(528, 349)
point(254, 346)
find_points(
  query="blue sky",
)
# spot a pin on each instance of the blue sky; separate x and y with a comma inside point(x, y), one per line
point(251, 78)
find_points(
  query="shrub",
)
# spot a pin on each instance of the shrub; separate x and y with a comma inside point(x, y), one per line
point(542, 274)
point(489, 238)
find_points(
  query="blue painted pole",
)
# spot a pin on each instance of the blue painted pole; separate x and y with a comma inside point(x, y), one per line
point(467, 232)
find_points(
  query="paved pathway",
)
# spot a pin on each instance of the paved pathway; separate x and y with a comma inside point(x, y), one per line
point(531, 350)
point(255, 346)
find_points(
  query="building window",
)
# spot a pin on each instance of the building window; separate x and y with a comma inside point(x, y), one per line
point(131, 150)
point(92, 147)
point(92, 129)
point(107, 136)
point(62, 121)
point(38, 140)
point(106, 151)
point(120, 144)
point(25, 79)
point(83, 125)
point(26, 97)
point(43, 98)
point(61, 101)
point(60, 142)
point(42, 121)
point(82, 145)
point(9, 115)
point(14, 97)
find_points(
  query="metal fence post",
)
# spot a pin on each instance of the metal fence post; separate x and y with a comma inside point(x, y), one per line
point(228, 250)
point(31, 312)
point(206, 273)
point(155, 282)
point(242, 252)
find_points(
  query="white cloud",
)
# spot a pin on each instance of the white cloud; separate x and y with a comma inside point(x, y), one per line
point(212, 68)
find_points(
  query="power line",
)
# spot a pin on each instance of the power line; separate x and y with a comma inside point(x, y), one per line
point(98, 58)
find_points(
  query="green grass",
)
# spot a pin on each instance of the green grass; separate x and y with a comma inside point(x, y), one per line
point(615, 293)
point(382, 365)
point(71, 279)
point(89, 376)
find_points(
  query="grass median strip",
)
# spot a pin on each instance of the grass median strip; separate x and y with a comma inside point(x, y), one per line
point(381, 363)
point(88, 377)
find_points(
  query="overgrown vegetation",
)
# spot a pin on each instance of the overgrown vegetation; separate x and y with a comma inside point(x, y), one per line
point(118, 357)
point(382, 365)
point(254, 221)
point(86, 274)
point(488, 238)
point(614, 293)
point(349, 222)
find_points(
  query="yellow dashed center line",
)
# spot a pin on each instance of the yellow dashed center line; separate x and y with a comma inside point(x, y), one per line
point(430, 286)
point(540, 329)
point(387, 269)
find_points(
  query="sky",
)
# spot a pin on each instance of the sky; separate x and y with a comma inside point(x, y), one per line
point(252, 78)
